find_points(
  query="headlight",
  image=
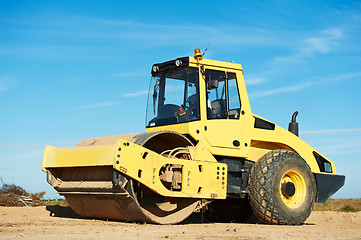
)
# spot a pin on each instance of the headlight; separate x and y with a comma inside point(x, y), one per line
point(178, 62)
point(155, 68)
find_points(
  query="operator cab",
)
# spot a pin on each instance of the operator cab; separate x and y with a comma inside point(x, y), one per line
point(173, 95)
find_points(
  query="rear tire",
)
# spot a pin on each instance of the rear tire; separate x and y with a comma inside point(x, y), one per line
point(282, 188)
point(229, 210)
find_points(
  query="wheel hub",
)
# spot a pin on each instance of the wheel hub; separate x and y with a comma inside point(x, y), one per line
point(293, 189)
point(288, 189)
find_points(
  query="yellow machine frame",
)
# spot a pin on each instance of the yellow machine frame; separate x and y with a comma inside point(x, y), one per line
point(203, 176)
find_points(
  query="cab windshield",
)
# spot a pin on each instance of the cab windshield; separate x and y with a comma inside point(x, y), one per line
point(173, 97)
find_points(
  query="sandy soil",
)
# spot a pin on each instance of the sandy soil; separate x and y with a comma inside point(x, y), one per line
point(36, 223)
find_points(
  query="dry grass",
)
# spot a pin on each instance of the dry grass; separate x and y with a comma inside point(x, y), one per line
point(60, 202)
point(12, 195)
point(341, 205)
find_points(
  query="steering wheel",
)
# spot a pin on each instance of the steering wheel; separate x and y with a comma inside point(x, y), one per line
point(191, 105)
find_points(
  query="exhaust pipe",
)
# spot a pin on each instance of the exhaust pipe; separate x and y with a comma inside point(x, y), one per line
point(293, 125)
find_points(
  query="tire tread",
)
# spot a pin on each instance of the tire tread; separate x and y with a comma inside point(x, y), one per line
point(260, 185)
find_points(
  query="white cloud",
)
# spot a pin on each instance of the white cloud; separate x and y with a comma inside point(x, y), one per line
point(101, 104)
point(6, 83)
point(149, 34)
point(334, 33)
point(127, 74)
point(276, 91)
point(308, 47)
point(20, 159)
point(322, 44)
point(340, 147)
point(169, 34)
point(231, 36)
point(304, 85)
point(254, 81)
point(35, 144)
point(356, 17)
point(73, 79)
point(332, 132)
point(258, 78)
point(314, 44)
point(136, 94)
point(335, 141)
point(169, 88)
point(339, 78)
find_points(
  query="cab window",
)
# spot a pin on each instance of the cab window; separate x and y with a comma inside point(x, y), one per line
point(222, 95)
point(234, 104)
point(173, 97)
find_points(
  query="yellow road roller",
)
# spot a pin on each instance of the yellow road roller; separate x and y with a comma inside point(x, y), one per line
point(202, 148)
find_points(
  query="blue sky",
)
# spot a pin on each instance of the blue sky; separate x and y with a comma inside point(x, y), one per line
point(70, 70)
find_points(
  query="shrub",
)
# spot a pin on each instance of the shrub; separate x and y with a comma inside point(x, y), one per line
point(12, 195)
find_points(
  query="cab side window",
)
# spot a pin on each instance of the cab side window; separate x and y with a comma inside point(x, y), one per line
point(222, 95)
point(216, 94)
point(233, 96)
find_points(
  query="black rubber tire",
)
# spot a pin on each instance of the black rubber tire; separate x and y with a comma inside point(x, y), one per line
point(229, 210)
point(264, 185)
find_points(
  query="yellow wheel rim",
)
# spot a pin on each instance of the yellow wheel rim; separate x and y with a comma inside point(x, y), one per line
point(293, 189)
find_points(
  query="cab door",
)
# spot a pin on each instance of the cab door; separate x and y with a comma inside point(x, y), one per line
point(223, 125)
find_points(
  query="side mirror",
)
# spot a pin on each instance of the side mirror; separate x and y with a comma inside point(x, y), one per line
point(212, 84)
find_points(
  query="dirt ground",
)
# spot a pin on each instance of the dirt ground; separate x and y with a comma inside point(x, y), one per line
point(36, 223)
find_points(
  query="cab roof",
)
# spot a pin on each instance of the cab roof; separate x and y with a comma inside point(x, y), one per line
point(193, 62)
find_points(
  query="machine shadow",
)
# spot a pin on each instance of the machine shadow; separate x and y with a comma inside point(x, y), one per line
point(63, 212)
point(194, 218)
point(199, 217)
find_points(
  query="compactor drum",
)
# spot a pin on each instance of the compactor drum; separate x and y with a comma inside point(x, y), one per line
point(202, 149)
